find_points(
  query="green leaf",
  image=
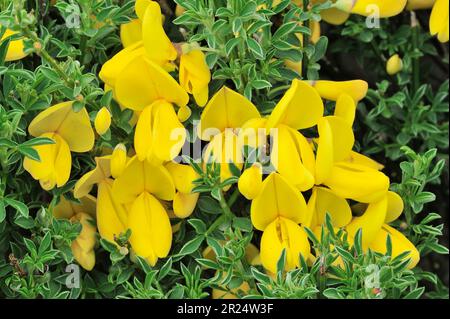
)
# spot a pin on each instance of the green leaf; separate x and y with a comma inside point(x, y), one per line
point(281, 261)
point(243, 223)
point(198, 224)
point(207, 263)
point(415, 294)
point(38, 141)
point(165, 269)
point(191, 246)
point(333, 293)
point(8, 143)
point(256, 48)
point(19, 206)
point(29, 152)
point(2, 211)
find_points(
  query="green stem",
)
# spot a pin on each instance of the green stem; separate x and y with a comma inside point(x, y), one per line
point(226, 216)
point(305, 42)
point(416, 59)
point(233, 197)
point(47, 57)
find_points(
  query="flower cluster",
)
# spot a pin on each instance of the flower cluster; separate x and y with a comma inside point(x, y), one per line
point(310, 153)
point(324, 164)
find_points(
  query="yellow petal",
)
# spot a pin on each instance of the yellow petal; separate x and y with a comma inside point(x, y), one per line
point(277, 198)
point(86, 259)
point(141, 82)
point(142, 176)
point(363, 160)
point(224, 149)
point(226, 109)
point(250, 182)
point(168, 133)
point(143, 137)
point(83, 245)
point(253, 133)
point(195, 75)
point(395, 206)
point(158, 46)
point(182, 175)
point(345, 108)
point(370, 222)
point(300, 107)
point(400, 244)
point(112, 68)
point(328, 202)
point(67, 208)
point(356, 182)
point(101, 172)
point(324, 154)
point(102, 121)
point(118, 160)
point(394, 65)
point(151, 234)
point(184, 113)
point(184, 204)
point(385, 8)
point(131, 32)
point(15, 48)
point(331, 90)
point(74, 128)
point(439, 20)
point(140, 7)
point(86, 238)
point(281, 234)
point(287, 154)
point(334, 16)
point(55, 163)
point(111, 216)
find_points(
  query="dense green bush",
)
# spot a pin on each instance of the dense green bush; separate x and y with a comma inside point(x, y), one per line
point(402, 123)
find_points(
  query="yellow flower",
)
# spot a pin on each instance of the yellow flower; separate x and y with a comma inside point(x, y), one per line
point(332, 90)
point(281, 234)
point(226, 111)
point(159, 135)
point(195, 75)
point(83, 245)
point(385, 8)
point(394, 65)
point(84, 213)
point(102, 121)
point(70, 131)
point(400, 244)
point(111, 215)
point(185, 200)
point(131, 32)
point(140, 186)
point(439, 20)
point(148, 30)
point(184, 113)
point(277, 210)
point(118, 160)
point(15, 48)
point(250, 182)
point(301, 107)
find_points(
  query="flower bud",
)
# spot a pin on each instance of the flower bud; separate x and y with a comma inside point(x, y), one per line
point(184, 113)
point(102, 121)
point(118, 160)
point(250, 182)
point(394, 65)
point(345, 5)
